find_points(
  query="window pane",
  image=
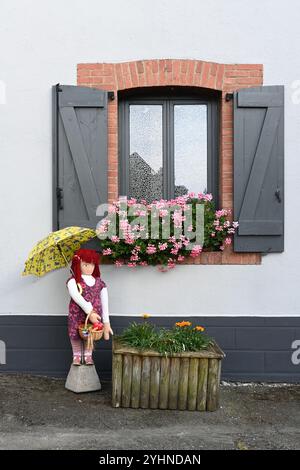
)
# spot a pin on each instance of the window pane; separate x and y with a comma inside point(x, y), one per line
point(146, 157)
point(190, 148)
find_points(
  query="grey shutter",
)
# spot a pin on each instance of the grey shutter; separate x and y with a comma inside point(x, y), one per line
point(259, 169)
point(80, 155)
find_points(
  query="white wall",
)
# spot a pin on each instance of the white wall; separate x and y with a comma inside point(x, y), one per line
point(41, 43)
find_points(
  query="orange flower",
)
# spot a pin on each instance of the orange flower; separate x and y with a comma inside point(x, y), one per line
point(146, 315)
point(199, 328)
point(183, 323)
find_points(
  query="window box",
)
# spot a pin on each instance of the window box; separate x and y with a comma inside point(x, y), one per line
point(183, 381)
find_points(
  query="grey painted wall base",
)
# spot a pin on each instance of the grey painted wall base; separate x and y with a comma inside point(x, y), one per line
point(257, 348)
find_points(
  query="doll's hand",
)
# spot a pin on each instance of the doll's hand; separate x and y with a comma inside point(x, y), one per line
point(94, 317)
point(107, 330)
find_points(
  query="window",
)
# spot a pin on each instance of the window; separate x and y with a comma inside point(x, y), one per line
point(168, 141)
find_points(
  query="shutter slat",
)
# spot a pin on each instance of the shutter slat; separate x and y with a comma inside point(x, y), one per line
point(261, 227)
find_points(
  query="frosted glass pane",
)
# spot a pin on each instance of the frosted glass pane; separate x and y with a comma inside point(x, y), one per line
point(190, 148)
point(146, 154)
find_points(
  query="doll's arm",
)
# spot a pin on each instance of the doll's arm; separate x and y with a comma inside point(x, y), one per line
point(87, 307)
point(104, 302)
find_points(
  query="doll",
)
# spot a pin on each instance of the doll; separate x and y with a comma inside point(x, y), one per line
point(88, 294)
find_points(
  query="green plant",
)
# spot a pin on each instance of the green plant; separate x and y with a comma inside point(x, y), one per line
point(180, 338)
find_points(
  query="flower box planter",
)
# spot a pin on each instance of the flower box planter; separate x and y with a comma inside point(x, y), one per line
point(182, 381)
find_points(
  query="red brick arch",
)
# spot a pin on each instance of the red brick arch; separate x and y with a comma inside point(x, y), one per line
point(179, 72)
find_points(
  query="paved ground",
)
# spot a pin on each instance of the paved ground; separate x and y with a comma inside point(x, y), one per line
point(39, 413)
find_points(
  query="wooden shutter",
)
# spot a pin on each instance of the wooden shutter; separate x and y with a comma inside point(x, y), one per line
point(259, 169)
point(80, 155)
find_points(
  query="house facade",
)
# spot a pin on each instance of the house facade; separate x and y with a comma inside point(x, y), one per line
point(152, 109)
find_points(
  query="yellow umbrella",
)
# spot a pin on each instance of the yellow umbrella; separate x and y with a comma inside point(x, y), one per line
point(56, 250)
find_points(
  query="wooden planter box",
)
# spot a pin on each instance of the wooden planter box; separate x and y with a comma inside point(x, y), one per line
point(148, 379)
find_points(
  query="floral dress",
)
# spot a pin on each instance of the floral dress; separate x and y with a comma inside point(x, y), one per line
point(76, 314)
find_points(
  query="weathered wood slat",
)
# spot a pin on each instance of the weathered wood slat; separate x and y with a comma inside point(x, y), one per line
point(164, 382)
point(202, 384)
point(136, 381)
point(154, 382)
point(174, 382)
point(212, 385)
point(126, 381)
point(183, 383)
point(213, 351)
point(145, 382)
point(117, 365)
point(193, 383)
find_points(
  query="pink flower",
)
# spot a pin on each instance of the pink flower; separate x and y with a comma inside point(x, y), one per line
point(107, 251)
point(115, 239)
point(131, 265)
point(222, 247)
point(219, 213)
point(196, 250)
point(161, 268)
point(151, 249)
point(171, 263)
point(213, 234)
point(124, 225)
point(162, 246)
point(143, 263)
point(131, 201)
point(119, 263)
point(163, 213)
point(112, 209)
point(178, 218)
point(227, 241)
point(101, 229)
point(180, 258)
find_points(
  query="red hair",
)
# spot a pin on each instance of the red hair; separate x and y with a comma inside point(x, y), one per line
point(88, 256)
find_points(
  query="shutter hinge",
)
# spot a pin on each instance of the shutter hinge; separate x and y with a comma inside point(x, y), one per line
point(59, 197)
point(228, 96)
point(111, 95)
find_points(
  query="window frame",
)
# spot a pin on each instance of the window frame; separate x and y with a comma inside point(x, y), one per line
point(168, 97)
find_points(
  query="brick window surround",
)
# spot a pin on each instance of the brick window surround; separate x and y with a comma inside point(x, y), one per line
point(179, 72)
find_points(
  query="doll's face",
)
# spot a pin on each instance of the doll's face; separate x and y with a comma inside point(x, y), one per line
point(87, 268)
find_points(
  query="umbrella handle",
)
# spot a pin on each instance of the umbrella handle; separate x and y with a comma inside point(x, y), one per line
point(61, 250)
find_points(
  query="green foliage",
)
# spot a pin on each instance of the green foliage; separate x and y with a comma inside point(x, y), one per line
point(163, 340)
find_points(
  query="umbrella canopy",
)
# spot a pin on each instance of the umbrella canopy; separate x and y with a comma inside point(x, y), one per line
point(56, 250)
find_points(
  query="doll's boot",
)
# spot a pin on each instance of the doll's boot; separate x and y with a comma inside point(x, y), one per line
point(88, 360)
point(76, 360)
